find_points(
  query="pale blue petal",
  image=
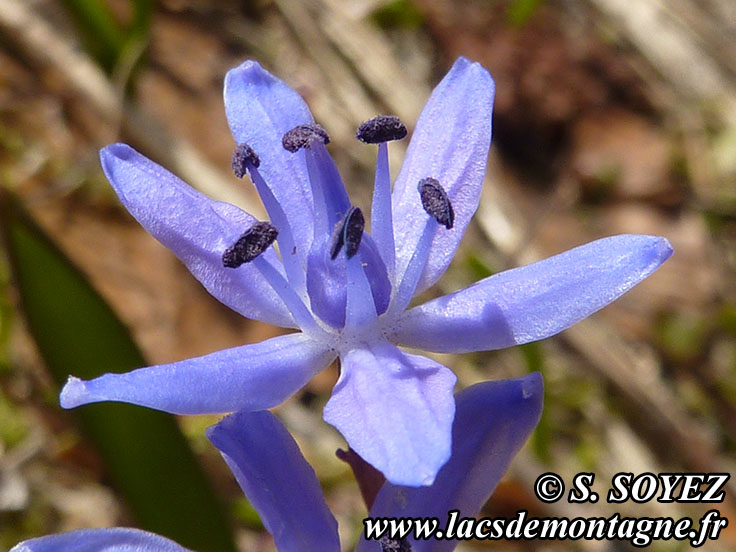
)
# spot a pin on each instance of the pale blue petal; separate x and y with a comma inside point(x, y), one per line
point(395, 410)
point(260, 109)
point(196, 228)
point(492, 422)
point(117, 539)
point(277, 480)
point(450, 143)
point(251, 377)
point(535, 301)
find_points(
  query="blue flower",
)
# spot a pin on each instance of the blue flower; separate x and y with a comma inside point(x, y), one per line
point(116, 539)
point(348, 291)
point(493, 421)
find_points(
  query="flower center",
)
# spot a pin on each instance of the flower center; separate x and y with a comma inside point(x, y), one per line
point(344, 294)
point(337, 224)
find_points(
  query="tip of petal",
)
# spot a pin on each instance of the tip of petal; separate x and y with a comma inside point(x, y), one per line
point(248, 65)
point(117, 151)
point(664, 248)
point(113, 158)
point(462, 63)
point(519, 398)
point(74, 393)
point(417, 478)
point(220, 432)
point(651, 251)
point(472, 68)
point(532, 386)
point(532, 395)
point(249, 71)
point(429, 479)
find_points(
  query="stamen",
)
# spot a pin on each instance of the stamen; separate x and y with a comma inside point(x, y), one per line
point(250, 245)
point(338, 240)
point(360, 308)
point(383, 128)
point(413, 272)
point(382, 226)
point(348, 232)
point(331, 200)
point(436, 202)
point(302, 316)
point(302, 136)
point(244, 156)
point(294, 272)
point(354, 226)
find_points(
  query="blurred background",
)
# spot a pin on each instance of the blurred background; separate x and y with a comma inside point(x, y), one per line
point(611, 117)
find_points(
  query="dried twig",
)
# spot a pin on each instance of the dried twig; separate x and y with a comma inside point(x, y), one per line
point(664, 33)
point(48, 50)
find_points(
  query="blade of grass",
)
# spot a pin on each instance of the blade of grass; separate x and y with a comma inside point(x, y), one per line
point(132, 55)
point(146, 455)
point(521, 11)
point(141, 23)
point(118, 48)
point(103, 36)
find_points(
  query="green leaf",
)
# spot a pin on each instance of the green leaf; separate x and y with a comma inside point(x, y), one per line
point(147, 457)
point(118, 48)
point(398, 14)
point(478, 268)
point(6, 317)
point(103, 36)
point(521, 11)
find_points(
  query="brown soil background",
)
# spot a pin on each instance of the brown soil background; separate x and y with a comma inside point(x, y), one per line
point(605, 122)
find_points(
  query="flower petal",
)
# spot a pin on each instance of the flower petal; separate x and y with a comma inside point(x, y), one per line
point(395, 410)
point(117, 539)
point(535, 301)
point(277, 480)
point(493, 421)
point(196, 228)
point(260, 109)
point(450, 143)
point(252, 377)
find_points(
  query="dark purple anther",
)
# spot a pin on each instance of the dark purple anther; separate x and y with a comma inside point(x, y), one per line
point(383, 128)
point(243, 156)
point(436, 202)
point(394, 545)
point(250, 245)
point(348, 232)
point(302, 136)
